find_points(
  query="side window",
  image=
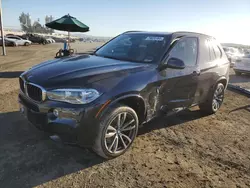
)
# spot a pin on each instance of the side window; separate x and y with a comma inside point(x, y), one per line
point(211, 50)
point(217, 51)
point(214, 50)
point(186, 50)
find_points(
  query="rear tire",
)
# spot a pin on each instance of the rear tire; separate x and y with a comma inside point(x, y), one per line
point(14, 44)
point(214, 100)
point(237, 73)
point(115, 138)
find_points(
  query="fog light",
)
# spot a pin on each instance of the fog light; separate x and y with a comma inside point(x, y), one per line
point(56, 112)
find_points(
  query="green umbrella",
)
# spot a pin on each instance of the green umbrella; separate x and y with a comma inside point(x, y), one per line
point(68, 23)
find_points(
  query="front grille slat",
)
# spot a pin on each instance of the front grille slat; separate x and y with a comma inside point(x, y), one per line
point(21, 82)
point(34, 92)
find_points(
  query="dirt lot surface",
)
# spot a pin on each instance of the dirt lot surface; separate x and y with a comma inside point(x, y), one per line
point(186, 150)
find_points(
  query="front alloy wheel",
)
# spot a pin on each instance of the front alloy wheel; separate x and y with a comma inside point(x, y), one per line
point(118, 129)
point(120, 133)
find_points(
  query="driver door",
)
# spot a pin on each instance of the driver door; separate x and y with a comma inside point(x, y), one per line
point(179, 86)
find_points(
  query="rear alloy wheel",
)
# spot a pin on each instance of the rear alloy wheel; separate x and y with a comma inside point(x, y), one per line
point(214, 101)
point(118, 130)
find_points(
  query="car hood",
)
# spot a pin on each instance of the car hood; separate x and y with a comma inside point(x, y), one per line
point(79, 70)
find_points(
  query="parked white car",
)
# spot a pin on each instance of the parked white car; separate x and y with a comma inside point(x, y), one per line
point(242, 65)
point(18, 40)
point(233, 54)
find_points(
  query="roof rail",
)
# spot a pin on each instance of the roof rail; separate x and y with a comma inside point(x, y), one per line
point(131, 31)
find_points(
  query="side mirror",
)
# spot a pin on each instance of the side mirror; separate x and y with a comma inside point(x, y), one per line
point(173, 63)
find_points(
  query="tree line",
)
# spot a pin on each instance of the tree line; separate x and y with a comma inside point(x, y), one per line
point(35, 27)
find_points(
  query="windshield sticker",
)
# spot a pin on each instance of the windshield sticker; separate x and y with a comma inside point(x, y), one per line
point(155, 38)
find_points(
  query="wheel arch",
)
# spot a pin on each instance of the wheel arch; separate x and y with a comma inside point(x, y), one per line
point(134, 101)
point(222, 80)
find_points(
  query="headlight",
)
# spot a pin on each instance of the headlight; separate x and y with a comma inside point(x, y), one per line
point(73, 96)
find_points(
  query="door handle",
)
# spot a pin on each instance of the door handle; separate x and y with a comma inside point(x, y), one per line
point(197, 72)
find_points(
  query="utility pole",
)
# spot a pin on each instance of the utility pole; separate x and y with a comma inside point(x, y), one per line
point(1, 26)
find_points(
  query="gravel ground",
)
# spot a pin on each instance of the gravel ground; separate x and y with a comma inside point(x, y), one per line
point(186, 150)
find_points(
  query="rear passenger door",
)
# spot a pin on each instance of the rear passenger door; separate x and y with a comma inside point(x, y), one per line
point(208, 63)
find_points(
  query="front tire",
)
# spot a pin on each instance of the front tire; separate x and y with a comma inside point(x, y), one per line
point(26, 44)
point(214, 101)
point(118, 129)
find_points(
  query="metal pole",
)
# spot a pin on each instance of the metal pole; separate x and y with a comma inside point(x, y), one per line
point(1, 25)
point(68, 40)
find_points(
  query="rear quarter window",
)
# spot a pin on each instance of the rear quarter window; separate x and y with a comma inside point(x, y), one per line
point(204, 52)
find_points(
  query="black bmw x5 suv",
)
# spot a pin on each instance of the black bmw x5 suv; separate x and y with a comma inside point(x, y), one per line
point(99, 100)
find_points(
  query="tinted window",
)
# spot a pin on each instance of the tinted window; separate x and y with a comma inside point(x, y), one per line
point(211, 50)
point(217, 50)
point(146, 48)
point(186, 50)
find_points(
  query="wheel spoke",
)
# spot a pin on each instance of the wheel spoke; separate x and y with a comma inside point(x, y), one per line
point(218, 105)
point(111, 146)
point(123, 119)
point(110, 134)
point(119, 120)
point(128, 128)
point(219, 98)
point(214, 104)
point(125, 136)
point(110, 128)
point(116, 144)
point(127, 124)
point(124, 144)
point(111, 131)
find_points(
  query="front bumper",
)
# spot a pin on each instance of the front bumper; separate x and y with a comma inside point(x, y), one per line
point(73, 123)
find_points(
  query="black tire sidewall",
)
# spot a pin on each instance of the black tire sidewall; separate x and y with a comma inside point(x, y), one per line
point(99, 146)
point(208, 105)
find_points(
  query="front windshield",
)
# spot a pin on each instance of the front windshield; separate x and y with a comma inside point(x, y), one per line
point(145, 48)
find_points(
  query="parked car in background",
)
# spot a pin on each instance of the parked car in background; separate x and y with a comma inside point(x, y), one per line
point(50, 40)
point(233, 54)
point(57, 39)
point(7, 42)
point(100, 100)
point(18, 40)
point(242, 65)
point(35, 38)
